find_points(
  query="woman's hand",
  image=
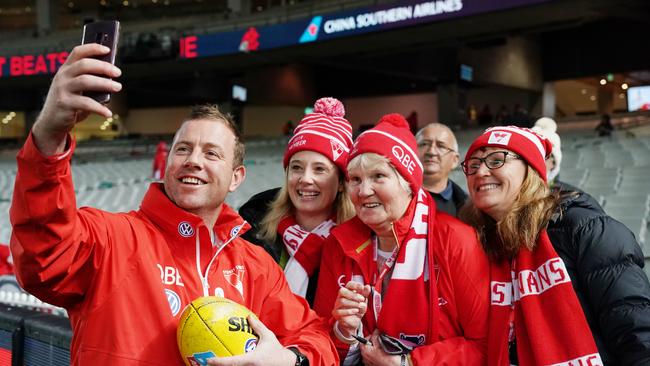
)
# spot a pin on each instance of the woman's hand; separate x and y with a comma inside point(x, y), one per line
point(350, 307)
point(373, 355)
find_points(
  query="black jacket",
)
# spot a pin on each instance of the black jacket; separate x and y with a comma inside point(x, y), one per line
point(458, 198)
point(254, 211)
point(605, 264)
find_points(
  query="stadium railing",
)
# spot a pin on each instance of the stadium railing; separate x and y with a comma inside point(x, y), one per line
point(30, 338)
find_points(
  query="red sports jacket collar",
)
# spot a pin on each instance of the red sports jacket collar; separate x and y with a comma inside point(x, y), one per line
point(170, 218)
point(355, 237)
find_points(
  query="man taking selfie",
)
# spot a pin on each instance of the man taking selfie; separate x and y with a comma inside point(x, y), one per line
point(125, 277)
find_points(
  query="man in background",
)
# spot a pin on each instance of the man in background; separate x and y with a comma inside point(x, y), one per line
point(438, 152)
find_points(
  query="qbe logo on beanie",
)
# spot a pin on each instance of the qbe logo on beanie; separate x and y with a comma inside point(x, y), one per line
point(392, 138)
point(404, 158)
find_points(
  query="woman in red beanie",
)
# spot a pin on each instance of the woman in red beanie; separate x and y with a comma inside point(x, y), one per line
point(408, 282)
point(535, 316)
point(292, 222)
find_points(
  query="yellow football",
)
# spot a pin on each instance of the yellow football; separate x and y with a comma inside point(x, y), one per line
point(213, 326)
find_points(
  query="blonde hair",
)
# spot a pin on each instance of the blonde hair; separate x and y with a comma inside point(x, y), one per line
point(372, 160)
point(520, 227)
point(282, 207)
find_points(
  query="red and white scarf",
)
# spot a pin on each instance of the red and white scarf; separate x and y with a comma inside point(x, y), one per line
point(550, 327)
point(411, 289)
point(305, 249)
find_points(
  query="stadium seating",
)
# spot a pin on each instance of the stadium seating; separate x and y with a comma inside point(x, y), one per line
point(263, 169)
point(614, 171)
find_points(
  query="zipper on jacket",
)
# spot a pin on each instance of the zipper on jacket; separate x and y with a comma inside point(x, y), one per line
point(204, 276)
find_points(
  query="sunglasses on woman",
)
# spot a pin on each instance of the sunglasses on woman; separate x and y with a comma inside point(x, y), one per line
point(395, 346)
point(493, 160)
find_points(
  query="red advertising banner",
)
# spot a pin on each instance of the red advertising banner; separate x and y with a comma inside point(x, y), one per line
point(26, 65)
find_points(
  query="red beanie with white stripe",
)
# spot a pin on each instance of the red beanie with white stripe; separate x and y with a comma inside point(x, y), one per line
point(324, 131)
point(392, 138)
point(529, 145)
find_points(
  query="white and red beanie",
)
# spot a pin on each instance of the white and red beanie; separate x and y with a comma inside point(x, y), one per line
point(529, 145)
point(392, 138)
point(324, 131)
point(548, 128)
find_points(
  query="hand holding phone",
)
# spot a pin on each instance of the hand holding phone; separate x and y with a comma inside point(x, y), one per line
point(106, 33)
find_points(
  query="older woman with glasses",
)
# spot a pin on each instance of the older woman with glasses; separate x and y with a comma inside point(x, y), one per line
point(535, 316)
point(408, 282)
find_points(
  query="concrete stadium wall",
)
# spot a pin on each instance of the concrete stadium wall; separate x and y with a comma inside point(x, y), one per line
point(267, 121)
point(516, 63)
point(495, 96)
point(369, 110)
point(154, 121)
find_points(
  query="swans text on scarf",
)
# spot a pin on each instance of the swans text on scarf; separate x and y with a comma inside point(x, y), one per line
point(588, 360)
point(293, 238)
point(526, 282)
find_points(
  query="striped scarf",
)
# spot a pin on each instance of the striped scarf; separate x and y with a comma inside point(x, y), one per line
point(411, 290)
point(304, 248)
point(549, 325)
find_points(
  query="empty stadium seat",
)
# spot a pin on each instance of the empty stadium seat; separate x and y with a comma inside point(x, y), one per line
point(261, 174)
point(574, 176)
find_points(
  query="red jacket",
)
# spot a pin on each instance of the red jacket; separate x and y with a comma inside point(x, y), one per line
point(125, 277)
point(463, 285)
point(6, 264)
point(160, 160)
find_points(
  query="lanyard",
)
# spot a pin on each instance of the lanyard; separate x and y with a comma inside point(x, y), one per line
point(379, 280)
point(511, 317)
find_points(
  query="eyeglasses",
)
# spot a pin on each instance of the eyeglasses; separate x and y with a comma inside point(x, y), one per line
point(440, 147)
point(494, 160)
point(395, 346)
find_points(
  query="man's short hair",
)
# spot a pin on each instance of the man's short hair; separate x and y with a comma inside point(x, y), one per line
point(418, 135)
point(212, 112)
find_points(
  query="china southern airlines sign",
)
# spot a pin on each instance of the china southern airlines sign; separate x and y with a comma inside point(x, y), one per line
point(398, 15)
point(318, 28)
point(340, 24)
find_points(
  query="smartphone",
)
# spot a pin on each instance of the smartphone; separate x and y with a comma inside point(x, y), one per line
point(106, 33)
